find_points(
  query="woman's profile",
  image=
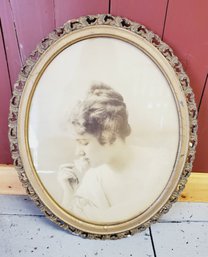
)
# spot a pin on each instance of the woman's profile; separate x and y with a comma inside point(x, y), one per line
point(102, 182)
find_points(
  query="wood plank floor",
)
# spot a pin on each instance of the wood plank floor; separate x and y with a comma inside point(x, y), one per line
point(25, 232)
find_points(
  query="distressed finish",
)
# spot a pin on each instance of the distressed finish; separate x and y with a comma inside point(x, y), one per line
point(181, 239)
point(72, 9)
point(184, 81)
point(202, 149)
point(18, 205)
point(11, 47)
point(40, 238)
point(194, 191)
point(5, 95)
point(180, 212)
point(150, 13)
point(9, 181)
point(186, 31)
point(187, 212)
point(187, 34)
point(31, 23)
point(24, 24)
point(187, 237)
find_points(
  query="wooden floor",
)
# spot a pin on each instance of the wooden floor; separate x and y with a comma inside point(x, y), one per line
point(24, 231)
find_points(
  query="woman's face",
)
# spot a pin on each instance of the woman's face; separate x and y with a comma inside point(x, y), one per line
point(88, 148)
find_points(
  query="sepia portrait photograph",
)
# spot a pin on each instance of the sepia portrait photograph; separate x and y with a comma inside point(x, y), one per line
point(103, 130)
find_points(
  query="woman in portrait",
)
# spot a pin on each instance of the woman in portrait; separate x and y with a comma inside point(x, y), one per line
point(103, 181)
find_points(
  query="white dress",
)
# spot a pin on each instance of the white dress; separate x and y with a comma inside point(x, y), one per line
point(105, 195)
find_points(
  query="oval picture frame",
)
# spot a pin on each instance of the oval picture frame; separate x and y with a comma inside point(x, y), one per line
point(129, 73)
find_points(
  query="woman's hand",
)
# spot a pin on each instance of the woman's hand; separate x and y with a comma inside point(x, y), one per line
point(68, 180)
point(67, 176)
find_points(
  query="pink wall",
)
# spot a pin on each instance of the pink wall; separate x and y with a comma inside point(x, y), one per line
point(181, 23)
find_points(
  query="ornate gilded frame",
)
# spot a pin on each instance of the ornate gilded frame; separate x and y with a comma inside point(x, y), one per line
point(152, 45)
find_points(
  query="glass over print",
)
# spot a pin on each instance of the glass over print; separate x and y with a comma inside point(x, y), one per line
point(109, 127)
point(104, 128)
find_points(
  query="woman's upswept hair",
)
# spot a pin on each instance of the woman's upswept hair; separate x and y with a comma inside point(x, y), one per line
point(103, 114)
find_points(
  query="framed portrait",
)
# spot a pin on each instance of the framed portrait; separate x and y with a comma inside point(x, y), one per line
point(102, 127)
